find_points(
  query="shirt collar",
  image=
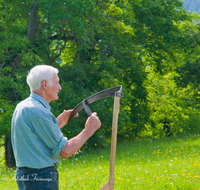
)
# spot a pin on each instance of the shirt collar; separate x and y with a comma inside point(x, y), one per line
point(41, 100)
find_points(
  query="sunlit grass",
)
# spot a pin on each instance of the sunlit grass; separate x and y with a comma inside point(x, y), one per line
point(167, 163)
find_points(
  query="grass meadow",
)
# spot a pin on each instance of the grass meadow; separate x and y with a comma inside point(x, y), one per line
point(166, 163)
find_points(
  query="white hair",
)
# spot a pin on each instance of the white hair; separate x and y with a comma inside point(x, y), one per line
point(39, 73)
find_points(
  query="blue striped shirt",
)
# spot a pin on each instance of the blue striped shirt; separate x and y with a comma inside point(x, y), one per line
point(35, 134)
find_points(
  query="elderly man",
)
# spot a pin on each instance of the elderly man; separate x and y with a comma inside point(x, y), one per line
point(37, 141)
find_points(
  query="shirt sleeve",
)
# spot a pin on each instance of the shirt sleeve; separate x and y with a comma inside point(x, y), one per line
point(46, 127)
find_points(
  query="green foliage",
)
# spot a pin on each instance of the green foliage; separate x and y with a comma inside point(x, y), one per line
point(97, 45)
point(174, 110)
point(157, 30)
point(189, 73)
point(188, 70)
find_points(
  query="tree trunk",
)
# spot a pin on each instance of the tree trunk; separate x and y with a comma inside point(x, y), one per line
point(32, 23)
point(10, 160)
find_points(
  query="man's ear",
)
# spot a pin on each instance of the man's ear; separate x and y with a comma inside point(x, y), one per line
point(44, 84)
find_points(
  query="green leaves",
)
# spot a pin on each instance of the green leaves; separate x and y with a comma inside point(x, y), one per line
point(100, 44)
point(172, 105)
point(189, 73)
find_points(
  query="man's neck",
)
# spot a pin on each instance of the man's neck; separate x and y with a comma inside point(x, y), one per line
point(42, 93)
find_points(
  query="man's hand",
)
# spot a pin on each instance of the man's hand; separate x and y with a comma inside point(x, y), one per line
point(63, 117)
point(93, 123)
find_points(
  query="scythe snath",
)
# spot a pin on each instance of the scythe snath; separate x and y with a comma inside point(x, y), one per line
point(117, 93)
point(110, 184)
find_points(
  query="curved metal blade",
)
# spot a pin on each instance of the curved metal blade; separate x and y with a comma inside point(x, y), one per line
point(102, 94)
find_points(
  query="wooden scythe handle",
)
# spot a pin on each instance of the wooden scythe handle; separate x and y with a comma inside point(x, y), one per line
point(110, 184)
point(114, 142)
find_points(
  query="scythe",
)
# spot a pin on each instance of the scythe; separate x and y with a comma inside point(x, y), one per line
point(117, 93)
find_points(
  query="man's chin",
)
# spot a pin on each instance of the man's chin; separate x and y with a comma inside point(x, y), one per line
point(55, 98)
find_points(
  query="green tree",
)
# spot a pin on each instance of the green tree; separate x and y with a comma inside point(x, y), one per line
point(174, 109)
point(13, 44)
point(95, 45)
point(188, 70)
point(46, 28)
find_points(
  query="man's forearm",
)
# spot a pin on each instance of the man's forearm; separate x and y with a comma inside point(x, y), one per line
point(74, 144)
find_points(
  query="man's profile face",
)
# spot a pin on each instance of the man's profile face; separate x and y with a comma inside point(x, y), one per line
point(54, 89)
